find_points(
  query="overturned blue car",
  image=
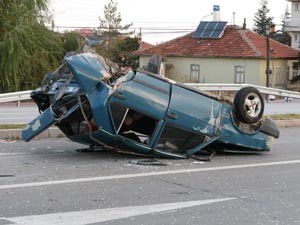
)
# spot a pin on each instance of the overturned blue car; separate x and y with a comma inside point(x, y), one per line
point(95, 102)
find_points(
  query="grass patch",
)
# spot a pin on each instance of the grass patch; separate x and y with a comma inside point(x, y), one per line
point(11, 126)
point(285, 117)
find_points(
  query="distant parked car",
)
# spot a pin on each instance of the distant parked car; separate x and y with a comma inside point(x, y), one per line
point(288, 99)
point(272, 97)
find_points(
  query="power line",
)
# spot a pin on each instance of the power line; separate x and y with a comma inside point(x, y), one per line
point(131, 28)
point(170, 32)
point(163, 22)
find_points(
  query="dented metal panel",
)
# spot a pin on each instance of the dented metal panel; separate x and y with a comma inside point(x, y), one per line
point(144, 94)
point(154, 115)
point(193, 112)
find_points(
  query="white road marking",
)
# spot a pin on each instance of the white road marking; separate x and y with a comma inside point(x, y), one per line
point(10, 154)
point(136, 175)
point(103, 215)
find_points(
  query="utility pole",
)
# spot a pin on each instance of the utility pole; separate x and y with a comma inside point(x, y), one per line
point(268, 70)
point(140, 34)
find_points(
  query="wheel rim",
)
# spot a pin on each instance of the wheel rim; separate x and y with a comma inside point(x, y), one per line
point(253, 105)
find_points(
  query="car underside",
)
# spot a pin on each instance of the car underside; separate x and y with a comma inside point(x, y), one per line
point(95, 102)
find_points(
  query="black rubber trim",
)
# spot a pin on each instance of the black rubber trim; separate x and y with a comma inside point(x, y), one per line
point(269, 128)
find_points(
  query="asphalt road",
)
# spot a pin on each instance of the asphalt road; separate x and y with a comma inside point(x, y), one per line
point(10, 114)
point(51, 183)
point(282, 107)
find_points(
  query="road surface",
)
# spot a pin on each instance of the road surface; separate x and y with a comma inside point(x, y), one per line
point(48, 182)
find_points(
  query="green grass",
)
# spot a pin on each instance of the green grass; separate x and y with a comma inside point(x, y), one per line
point(285, 117)
point(11, 126)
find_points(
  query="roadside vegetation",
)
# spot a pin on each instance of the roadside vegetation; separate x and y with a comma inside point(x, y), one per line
point(263, 22)
point(28, 48)
point(285, 117)
point(120, 45)
point(11, 126)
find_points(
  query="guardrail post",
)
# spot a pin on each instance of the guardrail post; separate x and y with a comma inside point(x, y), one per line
point(18, 103)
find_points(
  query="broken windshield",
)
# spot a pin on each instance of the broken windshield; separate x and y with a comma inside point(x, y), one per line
point(63, 74)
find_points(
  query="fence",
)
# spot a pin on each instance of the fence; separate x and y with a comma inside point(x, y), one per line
point(236, 87)
point(25, 95)
point(15, 96)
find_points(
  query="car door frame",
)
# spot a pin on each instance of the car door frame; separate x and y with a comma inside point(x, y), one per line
point(171, 120)
point(119, 99)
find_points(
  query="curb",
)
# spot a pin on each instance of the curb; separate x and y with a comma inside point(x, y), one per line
point(17, 134)
point(288, 123)
point(56, 133)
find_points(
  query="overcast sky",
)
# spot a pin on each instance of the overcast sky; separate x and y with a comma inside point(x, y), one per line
point(169, 14)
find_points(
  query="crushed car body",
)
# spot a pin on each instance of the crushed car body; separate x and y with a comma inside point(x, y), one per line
point(94, 102)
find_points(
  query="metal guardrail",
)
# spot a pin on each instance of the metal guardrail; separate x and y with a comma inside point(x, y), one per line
point(236, 87)
point(15, 96)
point(25, 95)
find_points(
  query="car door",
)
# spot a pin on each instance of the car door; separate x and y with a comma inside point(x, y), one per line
point(191, 118)
point(138, 109)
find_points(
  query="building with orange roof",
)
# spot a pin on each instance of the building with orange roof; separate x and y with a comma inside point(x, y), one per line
point(238, 56)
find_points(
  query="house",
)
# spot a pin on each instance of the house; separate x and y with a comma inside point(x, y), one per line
point(86, 32)
point(145, 45)
point(238, 55)
point(292, 26)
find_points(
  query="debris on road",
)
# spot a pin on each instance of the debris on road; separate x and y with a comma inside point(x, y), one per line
point(148, 162)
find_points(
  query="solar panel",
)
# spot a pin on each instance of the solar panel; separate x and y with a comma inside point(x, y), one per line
point(207, 30)
point(200, 29)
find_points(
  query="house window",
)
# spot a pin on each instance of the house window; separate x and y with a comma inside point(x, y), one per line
point(239, 75)
point(296, 37)
point(195, 73)
point(296, 7)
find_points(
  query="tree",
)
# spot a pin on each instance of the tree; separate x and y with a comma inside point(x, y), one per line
point(262, 22)
point(27, 48)
point(282, 36)
point(71, 41)
point(110, 25)
point(121, 52)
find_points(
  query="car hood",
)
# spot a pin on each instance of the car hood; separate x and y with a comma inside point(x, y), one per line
point(88, 69)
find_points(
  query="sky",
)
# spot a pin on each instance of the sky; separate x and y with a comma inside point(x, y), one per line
point(161, 14)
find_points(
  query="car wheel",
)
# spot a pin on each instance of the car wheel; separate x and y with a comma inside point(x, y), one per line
point(249, 105)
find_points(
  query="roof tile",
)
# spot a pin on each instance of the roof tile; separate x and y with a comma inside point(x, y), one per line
point(235, 43)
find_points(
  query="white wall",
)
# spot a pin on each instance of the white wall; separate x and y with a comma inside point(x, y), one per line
point(295, 14)
point(295, 25)
point(222, 70)
point(212, 70)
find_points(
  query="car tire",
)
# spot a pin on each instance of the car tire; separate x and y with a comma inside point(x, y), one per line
point(249, 105)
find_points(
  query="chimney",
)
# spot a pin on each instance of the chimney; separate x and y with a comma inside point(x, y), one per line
point(273, 28)
point(216, 13)
point(244, 24)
